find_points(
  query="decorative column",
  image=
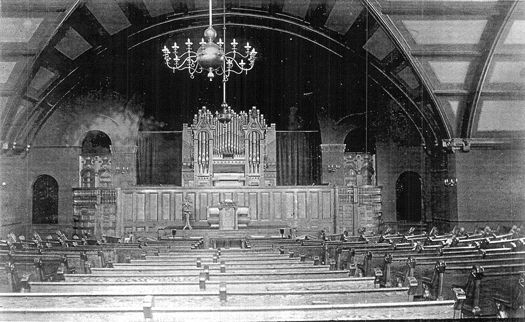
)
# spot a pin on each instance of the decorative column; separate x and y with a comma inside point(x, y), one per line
point(187, 156)
point(332, 163)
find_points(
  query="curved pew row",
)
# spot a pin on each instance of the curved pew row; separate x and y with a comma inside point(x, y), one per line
point(206, 298)
point(210, 263)
point(177, 277)
point(322, 312)
point(236, 286)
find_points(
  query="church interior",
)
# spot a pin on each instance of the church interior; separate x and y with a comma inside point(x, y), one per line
point(151, 169)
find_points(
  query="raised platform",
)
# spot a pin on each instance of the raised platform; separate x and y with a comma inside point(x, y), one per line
point(245, 233)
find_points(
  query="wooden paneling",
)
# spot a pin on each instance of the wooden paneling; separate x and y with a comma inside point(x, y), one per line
point(301, 204)
point(215, 198)
point(252, 205)
point(277, 205)
point(313, 205)
point(240, 198)
point(327, 201)
point(265, 206)
point(203, 204)
point(177, 206)
point(166, 206)
point(127, 203)
point(138, 205)
point(274, 205)
point(289, 205)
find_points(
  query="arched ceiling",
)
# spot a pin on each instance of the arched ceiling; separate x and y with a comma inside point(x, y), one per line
point(457, 67)
point(472, 56)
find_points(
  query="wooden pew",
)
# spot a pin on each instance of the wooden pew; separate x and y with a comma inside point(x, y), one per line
point(193, 259)
point(206, 298)
point(228, 264)
point(491, 294)
point(234, 285)
point(154, 270)
point(445, 277)
point(149, 310)
point(174, 277)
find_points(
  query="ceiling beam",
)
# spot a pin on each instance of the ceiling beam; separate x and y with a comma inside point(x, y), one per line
point(482, 72)
point(441, 8)
point(514, 94)
point(444, 53)
point(17, 52)
point(31, 6)
point(7, 92)
point(451, 92)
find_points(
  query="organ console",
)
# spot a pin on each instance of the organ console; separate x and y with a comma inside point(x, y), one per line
point(240, 152)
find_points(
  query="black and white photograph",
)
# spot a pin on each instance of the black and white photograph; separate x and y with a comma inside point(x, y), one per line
point(262, 160)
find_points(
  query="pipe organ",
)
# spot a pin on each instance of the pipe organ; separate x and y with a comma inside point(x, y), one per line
point(240, 152)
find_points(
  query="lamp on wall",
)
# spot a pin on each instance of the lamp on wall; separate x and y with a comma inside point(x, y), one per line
point(122, 170)
point(333, 168)
point(450, 182)
point(15, 148)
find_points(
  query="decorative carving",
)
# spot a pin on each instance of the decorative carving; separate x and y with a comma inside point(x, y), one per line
point(359, 169)
point(228, 154)
point(95, 171)
point(456, 144)
point(187, 209)
point(228, 215)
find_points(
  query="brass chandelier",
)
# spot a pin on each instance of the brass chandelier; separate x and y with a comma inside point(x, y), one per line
point(210, 56)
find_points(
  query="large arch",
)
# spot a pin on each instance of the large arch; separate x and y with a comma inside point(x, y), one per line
point(327, 24)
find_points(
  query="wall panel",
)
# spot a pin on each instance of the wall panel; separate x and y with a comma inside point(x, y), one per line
point(277, 205)
point(265, 206)
point(176, 209)
point(301, 205)
point(166, 206)
point(297, 206)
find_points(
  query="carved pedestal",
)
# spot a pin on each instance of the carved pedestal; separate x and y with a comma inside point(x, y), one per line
point(228, 216)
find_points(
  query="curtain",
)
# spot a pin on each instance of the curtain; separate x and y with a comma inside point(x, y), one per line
point(159, 158)
point(297, 158)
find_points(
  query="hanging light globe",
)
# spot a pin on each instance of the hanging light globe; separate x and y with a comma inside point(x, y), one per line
point(210, 55)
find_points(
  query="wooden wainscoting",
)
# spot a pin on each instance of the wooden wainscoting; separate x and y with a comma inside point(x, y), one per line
point(293, 206)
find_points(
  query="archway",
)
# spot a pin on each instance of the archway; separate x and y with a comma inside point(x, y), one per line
point(408, 197)
point(95, 160)
point(96, 143)
point(45, 200)
point(360, 140)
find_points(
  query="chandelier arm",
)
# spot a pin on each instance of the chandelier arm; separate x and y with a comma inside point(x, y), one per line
point(236, 65)
point(234, 54)
point(182, 56)
point(185, 61)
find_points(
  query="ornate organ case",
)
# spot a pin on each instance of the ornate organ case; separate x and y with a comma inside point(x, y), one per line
point(241, 152)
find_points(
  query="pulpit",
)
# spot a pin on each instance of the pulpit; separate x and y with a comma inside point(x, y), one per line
point(228, 216)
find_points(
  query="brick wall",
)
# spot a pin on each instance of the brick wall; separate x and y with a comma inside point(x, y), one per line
point(392, 161)
point(491, 187)
point(15, 204)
